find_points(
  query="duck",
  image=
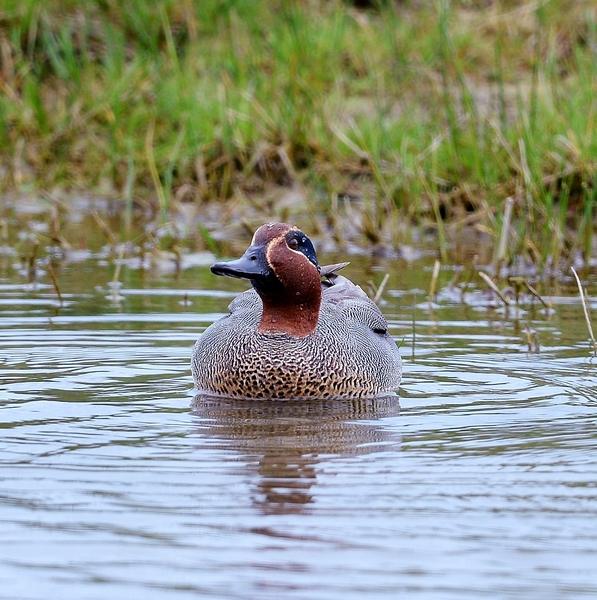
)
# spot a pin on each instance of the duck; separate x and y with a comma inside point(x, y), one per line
point(301, 332)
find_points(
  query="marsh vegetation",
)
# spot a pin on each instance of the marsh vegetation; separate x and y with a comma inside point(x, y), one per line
point(380, 124)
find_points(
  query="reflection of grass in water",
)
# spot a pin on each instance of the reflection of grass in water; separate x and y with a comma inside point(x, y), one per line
point(431, 113)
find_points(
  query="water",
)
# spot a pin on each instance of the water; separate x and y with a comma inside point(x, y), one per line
point(116, 482)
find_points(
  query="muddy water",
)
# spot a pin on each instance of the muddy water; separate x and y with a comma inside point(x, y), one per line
point(115, 481)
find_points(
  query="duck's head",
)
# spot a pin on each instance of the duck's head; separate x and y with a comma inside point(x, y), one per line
point(282, 266)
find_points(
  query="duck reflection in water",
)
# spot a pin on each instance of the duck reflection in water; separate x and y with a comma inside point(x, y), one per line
point(290, 439)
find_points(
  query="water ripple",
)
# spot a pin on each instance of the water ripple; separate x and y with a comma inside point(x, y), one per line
point(116, 480)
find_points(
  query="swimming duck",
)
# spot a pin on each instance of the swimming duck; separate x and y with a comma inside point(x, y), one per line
point(295, 335)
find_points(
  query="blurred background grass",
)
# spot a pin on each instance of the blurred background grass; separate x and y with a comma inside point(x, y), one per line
point(393, 112)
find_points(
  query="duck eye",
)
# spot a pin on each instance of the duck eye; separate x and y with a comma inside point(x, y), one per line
point(293, 244)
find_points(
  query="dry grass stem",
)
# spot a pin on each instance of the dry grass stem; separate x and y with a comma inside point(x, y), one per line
point(105, 229)
point(494, 287)
point(532, 340)
point(537, 295)
point(433, 284)
point(529, 335)
point(55, 282)
point(585, 308)
point(501, 253)
point(381, 288)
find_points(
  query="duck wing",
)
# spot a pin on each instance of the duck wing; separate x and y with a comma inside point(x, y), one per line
point(352, 302)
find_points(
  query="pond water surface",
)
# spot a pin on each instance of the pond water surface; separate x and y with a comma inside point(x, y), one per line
point(115, 482)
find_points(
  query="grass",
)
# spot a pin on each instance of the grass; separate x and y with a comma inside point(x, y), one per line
point(405, 113)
